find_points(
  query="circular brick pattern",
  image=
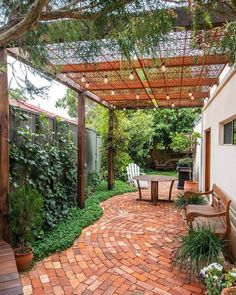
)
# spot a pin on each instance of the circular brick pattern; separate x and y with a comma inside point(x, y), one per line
point(128, 251)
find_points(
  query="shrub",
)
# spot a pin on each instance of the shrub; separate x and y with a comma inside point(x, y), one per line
point(26, 214)
point(181, 201)
point(198, 248)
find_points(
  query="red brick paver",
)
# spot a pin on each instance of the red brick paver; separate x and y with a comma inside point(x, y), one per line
point(128, 251)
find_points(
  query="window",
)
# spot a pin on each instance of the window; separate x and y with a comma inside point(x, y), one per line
point(230, 132)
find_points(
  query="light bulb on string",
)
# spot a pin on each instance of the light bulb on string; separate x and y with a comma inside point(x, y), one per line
point(83, 80)
point(163, 68)
point(131, 76)
point(87, 84)
point(192, 97)
point(190, 93)
point(124, 109)
point(137, 95)
point(105, 79)
point(173, 105)
point(113, 92)
point(167, 96)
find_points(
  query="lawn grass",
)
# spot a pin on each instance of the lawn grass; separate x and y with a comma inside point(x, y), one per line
point(64, 235)
point(156, 172)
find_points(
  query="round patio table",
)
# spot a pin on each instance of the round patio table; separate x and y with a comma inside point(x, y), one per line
point(155, 179)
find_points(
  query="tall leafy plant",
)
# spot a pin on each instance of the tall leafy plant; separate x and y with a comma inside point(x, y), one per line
point(46, 161)
point(26, 215)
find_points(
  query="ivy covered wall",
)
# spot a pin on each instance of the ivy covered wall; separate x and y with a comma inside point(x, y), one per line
point(43, 154)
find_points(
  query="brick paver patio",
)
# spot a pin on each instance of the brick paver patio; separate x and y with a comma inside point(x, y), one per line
point(128, 251)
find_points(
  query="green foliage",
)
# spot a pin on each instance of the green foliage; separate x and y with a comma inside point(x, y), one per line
point(17, 94)
point(181, 201)
point(229, 41)
point(186, 161)
point(182, 142)
point(169, 121)
point(69, 229)
point(198, 248)
point(48, 162)
point(216, 278)
point(69, 101)
point(136, 133)
point(26, 214)
point(93, 180)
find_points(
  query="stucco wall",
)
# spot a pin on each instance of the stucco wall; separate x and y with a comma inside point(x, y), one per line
point(221, 107)
point(197, 155)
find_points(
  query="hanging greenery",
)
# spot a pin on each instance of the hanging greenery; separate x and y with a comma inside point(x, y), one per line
point(47, 162)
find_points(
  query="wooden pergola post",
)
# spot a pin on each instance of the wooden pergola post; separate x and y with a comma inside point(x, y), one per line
point(4, 148)
point(110, 151)
point(81, 151)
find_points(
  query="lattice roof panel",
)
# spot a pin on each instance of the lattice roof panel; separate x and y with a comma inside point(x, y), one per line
point(188, 69)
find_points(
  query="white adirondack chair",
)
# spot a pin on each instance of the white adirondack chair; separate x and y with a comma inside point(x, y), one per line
point(134, 170)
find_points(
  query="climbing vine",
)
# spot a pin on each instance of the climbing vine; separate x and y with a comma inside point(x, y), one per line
point(46, 161)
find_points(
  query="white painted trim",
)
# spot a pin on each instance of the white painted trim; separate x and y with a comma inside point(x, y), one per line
point(220, 87)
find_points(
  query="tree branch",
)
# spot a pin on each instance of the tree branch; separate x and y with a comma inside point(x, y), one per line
point(77, 13)
point(23, 25)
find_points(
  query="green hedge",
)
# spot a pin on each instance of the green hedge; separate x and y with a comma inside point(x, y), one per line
point(67, 231)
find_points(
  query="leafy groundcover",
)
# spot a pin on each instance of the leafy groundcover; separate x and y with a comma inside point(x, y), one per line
point(67, 231)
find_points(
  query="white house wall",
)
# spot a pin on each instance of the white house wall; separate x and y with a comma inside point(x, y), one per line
point(220, 108)
point(197, 156)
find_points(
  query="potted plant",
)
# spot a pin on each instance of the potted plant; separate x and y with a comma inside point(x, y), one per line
point(218, 279)
point(197, 249)
point(181, 201)
point(26, 219)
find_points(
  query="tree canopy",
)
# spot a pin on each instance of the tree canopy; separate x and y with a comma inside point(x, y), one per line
point(128, 24)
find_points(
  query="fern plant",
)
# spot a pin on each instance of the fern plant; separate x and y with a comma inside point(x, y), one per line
point(181, 201)
point(199, 248)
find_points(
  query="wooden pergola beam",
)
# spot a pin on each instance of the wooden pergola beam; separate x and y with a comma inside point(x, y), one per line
point(131, 97)
point(157, 84)
point(4, 148)
point(110, 151)
point(63, 79)
point(169, 62)
point(81, 151)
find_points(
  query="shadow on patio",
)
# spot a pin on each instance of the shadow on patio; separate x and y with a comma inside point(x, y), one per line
point(128, 251)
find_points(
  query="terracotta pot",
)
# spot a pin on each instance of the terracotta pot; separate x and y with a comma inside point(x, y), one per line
point(23, 260)
point(229, 291)
point(191, 186)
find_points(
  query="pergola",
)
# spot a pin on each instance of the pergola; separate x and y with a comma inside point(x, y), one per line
point(179, 75)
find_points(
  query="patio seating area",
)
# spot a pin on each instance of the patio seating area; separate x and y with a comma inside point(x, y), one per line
point(128, 251)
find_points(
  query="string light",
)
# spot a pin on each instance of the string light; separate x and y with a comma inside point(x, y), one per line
point(167, 96)
point(124, 109)
point(163, 68)
point(83, 80)
point(173, 105)
point(131, 76)
point(190, 93)
point(113, 92)
point(105, 79)
point(192, 97)
point(87, 84)
point(137, 95)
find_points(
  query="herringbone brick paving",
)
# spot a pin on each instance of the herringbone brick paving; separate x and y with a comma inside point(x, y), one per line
point(128, 251)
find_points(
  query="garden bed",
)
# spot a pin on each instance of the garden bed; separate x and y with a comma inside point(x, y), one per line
point(67, 231)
